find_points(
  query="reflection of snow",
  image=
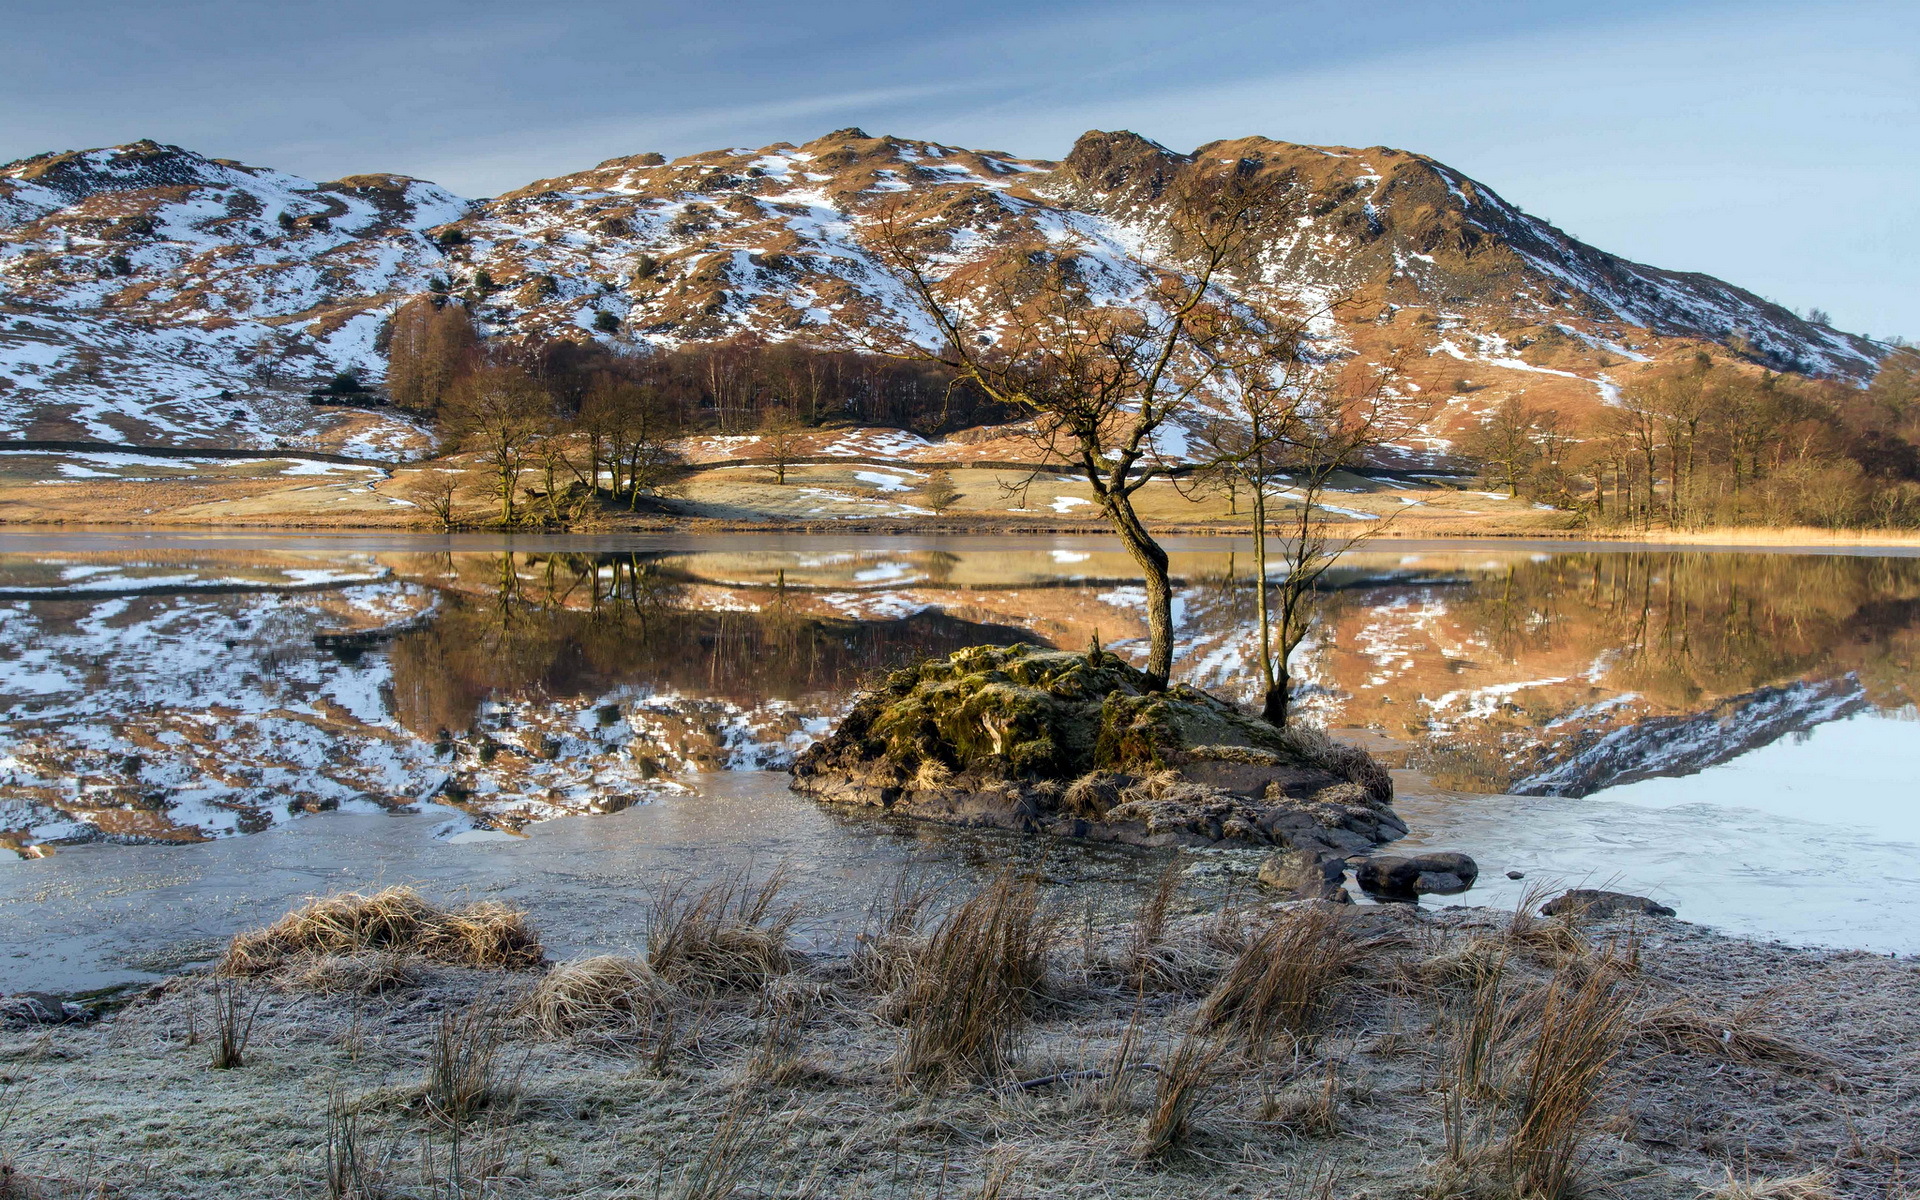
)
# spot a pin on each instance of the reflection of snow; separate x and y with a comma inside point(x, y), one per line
point(875, 606)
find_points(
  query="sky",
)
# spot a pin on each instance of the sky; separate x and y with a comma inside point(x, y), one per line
point(1775, 145)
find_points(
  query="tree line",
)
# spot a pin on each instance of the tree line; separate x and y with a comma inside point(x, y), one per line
point(1707, 442)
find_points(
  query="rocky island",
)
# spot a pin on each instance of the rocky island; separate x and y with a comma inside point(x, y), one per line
point(1078, 745)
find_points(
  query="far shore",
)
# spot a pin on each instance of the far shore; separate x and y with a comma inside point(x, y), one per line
point(1803, 538)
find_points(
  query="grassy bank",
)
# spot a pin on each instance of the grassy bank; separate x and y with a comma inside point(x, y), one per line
point(991, 1044)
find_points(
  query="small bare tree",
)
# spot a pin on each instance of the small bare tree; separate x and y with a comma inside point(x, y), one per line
point(1296, 422)
point(1101, 380)
point(435, 492)
point(780, 434)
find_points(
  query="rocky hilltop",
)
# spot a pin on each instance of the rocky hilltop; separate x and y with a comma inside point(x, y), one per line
point(150, 293)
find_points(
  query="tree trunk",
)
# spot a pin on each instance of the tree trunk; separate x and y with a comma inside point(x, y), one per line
point(1275, 704)
point(1153, 570)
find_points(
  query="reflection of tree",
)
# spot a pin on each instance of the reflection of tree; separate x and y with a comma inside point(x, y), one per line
point(1677, 627)
point(581, 625)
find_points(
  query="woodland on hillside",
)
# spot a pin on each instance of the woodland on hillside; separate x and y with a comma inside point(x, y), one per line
point(1701, 442)
point(1706, 442)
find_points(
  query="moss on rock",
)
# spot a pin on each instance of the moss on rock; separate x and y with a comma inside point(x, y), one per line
point(1034, 739)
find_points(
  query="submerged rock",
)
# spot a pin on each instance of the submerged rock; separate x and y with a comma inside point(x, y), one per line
point(1599, 904)
point(1017, 737)
point(1393, 878)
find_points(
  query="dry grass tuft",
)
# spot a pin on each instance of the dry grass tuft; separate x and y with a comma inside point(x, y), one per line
point(970, 988)
point(1285, 984)
point(463, 1075)
point(1177, 1096)
point(1311, 1109)
point(1580, 1029)
point(376, 973)
point(1147, 964)
point(1684, 1026)
point(1468, 964)
point(395, 920)
point(884, 950)
point(604, 995)
point(727, 935)
point(1814, 1185)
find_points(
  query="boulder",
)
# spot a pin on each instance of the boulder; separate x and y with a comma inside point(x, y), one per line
point(1307, 875)
point(1599, 905)
point(40, 1008)
point(1075, 744)
point(1396, 878)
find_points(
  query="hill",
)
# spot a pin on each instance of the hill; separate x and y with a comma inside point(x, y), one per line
point(148, 293)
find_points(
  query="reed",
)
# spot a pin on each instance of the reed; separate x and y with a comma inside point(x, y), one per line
point(463, 1064)
point(730, 934)
point(233, 1025)
point(971, 986)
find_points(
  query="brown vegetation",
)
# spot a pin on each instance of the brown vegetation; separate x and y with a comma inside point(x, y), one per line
point(395, 920)
point(1453, 1054)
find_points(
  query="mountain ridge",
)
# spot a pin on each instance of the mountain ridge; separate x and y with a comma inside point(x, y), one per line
point(142, 282)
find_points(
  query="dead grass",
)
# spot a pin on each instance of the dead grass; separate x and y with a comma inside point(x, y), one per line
point(970, 989)
point(730, 934)
point(1178, 1094)
point(396, 921)
point(1685, 1025)
point(375, 973)
point(1581, 1027)
point(1033, 1049)
point(1284, 985)
point(884, 950)
point(463, 1067)
point(1813, 1185)
point(604, 995)
point(1148, 963)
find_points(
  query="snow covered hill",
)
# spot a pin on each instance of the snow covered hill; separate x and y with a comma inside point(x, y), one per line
point(150, 293)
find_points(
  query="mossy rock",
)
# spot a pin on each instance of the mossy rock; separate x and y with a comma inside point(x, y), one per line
point(1034, 739)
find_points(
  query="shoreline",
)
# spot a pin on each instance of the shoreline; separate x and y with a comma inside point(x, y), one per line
point(1728, 1061)
point(1732, 537)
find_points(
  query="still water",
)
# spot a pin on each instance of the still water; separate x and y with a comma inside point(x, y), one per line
point(196, 731)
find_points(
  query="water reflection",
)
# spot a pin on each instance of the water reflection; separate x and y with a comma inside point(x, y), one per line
point(174, 693)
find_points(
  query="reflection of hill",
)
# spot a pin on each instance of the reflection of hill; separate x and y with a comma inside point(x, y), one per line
point(477, 649)
point(1507, 682)
point(1505, 669)
point(1686, 745)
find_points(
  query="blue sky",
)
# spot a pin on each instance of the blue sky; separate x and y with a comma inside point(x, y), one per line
point(1776, 145)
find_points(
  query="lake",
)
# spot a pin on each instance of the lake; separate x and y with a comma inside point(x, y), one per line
point(197, 730)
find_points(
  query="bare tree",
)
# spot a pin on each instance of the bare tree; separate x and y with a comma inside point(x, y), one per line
point(1293, 425)
point(1101, 380)
point(502, 413)
point(435, 492)
point(780, 435)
